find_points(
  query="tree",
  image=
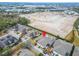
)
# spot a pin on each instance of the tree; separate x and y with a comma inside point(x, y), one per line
point(23, 21)
point(11, 20)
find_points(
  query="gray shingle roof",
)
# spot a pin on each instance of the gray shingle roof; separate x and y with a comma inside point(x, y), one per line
point(62, 47)
point(1, 45)
point(76, 51)
point(46, 40)
point(26, 52)
point(20, 27)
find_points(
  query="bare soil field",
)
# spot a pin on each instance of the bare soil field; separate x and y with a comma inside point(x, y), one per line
point(53, 22)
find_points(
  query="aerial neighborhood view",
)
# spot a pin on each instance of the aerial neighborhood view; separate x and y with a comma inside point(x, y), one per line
point(39, 29)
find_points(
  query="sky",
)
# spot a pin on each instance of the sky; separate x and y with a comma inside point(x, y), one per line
point(39, 0)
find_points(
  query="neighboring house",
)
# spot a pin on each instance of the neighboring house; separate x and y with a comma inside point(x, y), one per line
point(62, 47)
point(7, 41)
point(46, 40)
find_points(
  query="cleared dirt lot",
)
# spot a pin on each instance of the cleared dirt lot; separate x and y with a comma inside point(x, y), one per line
point(53, 22)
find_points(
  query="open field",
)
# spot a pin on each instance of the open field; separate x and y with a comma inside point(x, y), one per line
point(56, 23)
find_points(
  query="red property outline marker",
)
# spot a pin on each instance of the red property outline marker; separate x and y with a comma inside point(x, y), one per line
point(44, 34)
